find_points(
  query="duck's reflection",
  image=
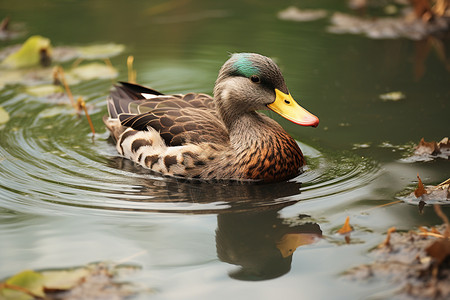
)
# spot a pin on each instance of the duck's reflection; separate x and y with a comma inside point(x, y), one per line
point(226, 196)
point(250, 231)
point(261, 243)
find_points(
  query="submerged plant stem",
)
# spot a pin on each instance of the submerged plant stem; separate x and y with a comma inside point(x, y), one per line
point(131, 72)
point(82, 105)
point(66, 86)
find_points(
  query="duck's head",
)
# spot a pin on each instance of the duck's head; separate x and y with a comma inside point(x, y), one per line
point(249, 82)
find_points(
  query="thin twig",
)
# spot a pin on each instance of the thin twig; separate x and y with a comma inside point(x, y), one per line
point(383, 205)
point(429, 233)
point(126, 259)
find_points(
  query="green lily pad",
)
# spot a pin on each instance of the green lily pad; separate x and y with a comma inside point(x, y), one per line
point(30, 54)
point(100, 51)
point(4, 116)
point(28, 280)
point(94, 71)
point(44, 90)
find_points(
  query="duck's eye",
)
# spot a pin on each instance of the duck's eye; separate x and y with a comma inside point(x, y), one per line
point(255, 79)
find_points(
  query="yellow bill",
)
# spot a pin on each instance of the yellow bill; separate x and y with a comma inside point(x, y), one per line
point(285, 106)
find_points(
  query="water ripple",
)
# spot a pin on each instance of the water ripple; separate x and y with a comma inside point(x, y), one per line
point(51, 165)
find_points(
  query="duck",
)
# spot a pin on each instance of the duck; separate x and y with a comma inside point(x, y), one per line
point(220, 138)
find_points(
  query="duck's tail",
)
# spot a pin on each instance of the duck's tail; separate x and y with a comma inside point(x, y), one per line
point(123, 99)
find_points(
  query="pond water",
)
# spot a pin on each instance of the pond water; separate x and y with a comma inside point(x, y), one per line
point(67, 199)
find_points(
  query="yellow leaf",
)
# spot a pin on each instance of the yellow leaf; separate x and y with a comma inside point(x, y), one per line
point(23, 285)
point(36, 50)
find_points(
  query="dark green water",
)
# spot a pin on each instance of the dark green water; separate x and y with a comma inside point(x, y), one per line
point(65, 200)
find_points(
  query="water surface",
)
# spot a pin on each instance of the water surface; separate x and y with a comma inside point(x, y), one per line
point(67, 200)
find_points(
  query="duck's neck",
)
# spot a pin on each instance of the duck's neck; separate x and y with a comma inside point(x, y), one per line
point(249, 130)
point(260, 148)
point(263, 148)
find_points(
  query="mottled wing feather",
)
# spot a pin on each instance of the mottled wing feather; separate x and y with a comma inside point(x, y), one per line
point(179, 118)
point(135, 91)
point(126, 96)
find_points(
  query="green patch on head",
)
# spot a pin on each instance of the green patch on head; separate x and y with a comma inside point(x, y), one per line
point(244, 66)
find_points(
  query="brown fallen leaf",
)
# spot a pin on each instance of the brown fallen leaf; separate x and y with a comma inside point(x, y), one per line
point(346, 228)
point(430, 194)
point(444, 143)
point(408, 264)
point(293, 13)
point(439, 250)
point(428, 151)
point(424, 147)
point(93, 281)
point(422, 9)
point(420, 190)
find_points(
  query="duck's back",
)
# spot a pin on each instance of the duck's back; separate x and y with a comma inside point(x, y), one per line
point(180, 119)
point(175, 135)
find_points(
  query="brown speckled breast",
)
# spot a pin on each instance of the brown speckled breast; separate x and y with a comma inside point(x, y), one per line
point(276, 158)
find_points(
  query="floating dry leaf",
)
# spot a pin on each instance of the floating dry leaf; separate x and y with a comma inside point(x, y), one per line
point(4, 116)
point(427, 151)
point(431, 148)
point(439, 250)
point(410, 263)
point(293, 13)
point(346, 228)
point(94, 281)
point(386, 27)
point(439, 194)
point(392, 96)
point(420, 190)
point(10, 31)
